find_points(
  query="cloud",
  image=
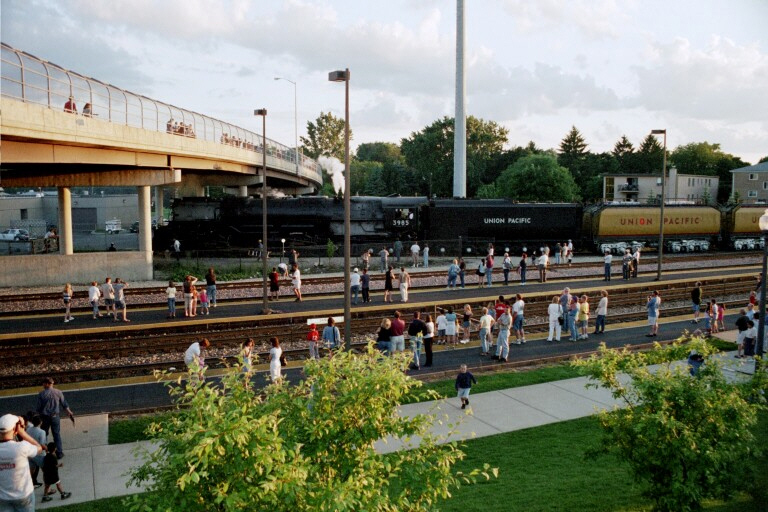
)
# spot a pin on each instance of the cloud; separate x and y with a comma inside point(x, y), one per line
point(721, 81)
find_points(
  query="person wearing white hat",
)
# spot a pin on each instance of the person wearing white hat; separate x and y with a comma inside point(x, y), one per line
point(16, 488)
point(354, 284)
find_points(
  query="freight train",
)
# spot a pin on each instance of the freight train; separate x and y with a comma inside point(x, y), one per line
point(236, 222)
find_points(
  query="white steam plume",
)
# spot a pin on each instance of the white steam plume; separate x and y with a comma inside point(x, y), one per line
point(335, 168)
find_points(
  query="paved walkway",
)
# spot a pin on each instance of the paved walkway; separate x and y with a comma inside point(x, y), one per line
point(93, 469)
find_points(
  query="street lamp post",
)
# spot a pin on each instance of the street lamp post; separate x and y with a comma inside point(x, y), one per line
point(282, 241)
point(343, 76)
point(663, 199)
point(763, 222)
point(295, 121)
point(263, 113)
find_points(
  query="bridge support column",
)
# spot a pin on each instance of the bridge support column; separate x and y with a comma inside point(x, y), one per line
point(145, 219)
point(242, 191)
point(65, 221)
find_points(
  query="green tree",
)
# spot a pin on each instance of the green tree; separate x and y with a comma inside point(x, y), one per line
point(709, 160)
point(624, 152)
point(573, 151)
point(362, 172)
point(687, 438)
point(599, 165)
point(382, 152)
point(325, 137)
point(308, 447)
point(429, 153)
point(649, 156)
point(537, 178)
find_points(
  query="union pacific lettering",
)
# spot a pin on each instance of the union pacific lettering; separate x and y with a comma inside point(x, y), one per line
point(645, 221)
point(506, 220)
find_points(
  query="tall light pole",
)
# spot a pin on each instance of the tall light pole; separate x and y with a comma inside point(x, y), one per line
point(265, 297)
point(343, 76)
point(460, 117)
point(763, 222)
point(663, 198)
point(295, 121)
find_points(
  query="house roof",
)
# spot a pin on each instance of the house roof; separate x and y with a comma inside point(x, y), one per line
point(761, 167)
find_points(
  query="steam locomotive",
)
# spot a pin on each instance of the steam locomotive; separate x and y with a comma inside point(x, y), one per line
point(236, 222)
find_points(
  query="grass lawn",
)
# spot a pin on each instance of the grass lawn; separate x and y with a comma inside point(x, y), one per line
point(543, 470)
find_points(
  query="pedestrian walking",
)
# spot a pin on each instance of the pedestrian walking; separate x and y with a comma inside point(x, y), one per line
point(607, 260)
point(67, 299)
point(696, 301)
point(94, 294)
point(555, 315)
point(275, 360)
point(653, 305)
point(210, 286)
point(51, 467)
point(17, 492)
point(170, 294)
point(331, 335)
point(601, 312)
point(313, 338)
point(428, 339)
point(365, 285)
point(397, 334)
point(486, 325)
point(464, 381)
point(50, 404)
point(388, 284)
point(404, 279)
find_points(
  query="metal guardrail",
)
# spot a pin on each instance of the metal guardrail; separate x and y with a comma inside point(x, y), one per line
point(33, 80)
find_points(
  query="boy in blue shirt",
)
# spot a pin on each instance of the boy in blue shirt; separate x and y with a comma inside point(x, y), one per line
point(464, 382)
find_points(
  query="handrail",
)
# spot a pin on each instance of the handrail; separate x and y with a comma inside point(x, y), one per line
point(33, 80)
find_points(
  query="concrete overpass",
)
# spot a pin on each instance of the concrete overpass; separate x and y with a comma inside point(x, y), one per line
point(62, 129)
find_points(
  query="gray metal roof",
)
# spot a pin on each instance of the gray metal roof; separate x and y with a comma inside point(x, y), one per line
point(761, 167)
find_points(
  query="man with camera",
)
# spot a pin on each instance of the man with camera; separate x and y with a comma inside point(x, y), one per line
point(16, 488)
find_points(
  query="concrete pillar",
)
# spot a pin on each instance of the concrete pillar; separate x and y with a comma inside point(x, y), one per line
point(242, 191)
point(145, 219)
point(65, 221)
point(159, 196)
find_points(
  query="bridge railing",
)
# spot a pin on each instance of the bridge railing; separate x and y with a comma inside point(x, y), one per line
point(32, 80)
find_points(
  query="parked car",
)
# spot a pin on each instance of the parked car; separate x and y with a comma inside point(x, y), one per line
point(14, 235)
point(135, 227)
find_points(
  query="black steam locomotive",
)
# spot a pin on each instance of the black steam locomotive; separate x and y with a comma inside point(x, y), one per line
point(236, 222)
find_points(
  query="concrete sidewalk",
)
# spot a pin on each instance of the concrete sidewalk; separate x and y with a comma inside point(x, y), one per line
point(93, 469)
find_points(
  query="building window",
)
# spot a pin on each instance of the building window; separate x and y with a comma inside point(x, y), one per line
point(658, 182)
point(765, 185)
point(752, 176)
point(752, 193)
point(23, 214)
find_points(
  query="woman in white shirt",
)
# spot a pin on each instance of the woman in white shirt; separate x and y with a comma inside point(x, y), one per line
point(602, 310)
point(555, 312)
point(428, 339)
point(275, 367)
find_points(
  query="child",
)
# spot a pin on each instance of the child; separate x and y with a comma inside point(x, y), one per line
point(193, 300)
point(67, 298)
point(721, 315)
point(51, 474)
point(313, 336)
point(750, 311)
point(247, 356)
point(464, 382)
point(753, 298)
point(441, 326)
point(204, 302)
point(714, 311)
point(170, 294)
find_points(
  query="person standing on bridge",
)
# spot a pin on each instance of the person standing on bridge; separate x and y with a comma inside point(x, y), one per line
point(50, 403)
point(70, 106)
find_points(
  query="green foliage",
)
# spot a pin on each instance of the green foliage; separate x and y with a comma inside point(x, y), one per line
point(381, 152)
point(361, 172)
point(429, 153)
point(325, 137)
point(685, 438)
point(241, 269)
point(707, 159)
point(650, 156)
point(133, 429)
point(537, 178)
point(330, 249)
point(304, 447)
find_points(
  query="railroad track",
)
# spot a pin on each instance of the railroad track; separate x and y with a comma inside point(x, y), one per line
point(155, 296)
point(96, 357)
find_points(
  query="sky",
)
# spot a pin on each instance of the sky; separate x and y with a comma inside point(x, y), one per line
point(697, 68)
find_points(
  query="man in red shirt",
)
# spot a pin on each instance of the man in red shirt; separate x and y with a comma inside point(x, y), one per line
point(70, 106)
point(397, 339)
